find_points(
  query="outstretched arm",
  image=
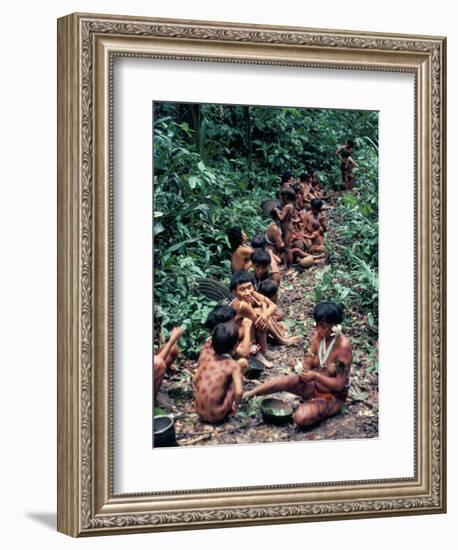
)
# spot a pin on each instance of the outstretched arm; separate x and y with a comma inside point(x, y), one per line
point(164, 352)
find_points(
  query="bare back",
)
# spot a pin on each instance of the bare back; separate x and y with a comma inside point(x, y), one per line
point(241, 259)
point(213, 384)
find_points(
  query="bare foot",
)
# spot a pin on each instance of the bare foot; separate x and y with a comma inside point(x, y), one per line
point(264, 361)
point(292, 341)
point(269, 355)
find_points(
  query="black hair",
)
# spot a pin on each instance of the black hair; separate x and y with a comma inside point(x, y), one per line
point(224, 338)
point(288, 194)
point(261, 257)
point(219, 314)
point(345, 154)
point(295, 188)
point(316, 204)
point(328, 312)
point(350, 142)
point(259, 241)
point(240, 278)
point(286, 176)
point(235, 237)
point(303, 177)
point(268, 288)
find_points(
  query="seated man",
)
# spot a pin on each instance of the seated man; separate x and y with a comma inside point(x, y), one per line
point(219, 381)
point(241, 252)
point(164, 358)
point(250, 304)
point(324, 382)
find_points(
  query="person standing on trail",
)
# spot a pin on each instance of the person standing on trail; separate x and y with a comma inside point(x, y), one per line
point(347, 148)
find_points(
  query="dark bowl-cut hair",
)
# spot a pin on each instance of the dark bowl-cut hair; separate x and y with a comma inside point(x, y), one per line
point(286, 176)
point(268, 288)
point(316, 204)
point(303, 177)
point(328, 312)
point(288, 193)
point(261, 257)
point(240, 278)
point(235, 236)
point(224, 338)
point(350, 142)
point(259, 241)
point(219, 314)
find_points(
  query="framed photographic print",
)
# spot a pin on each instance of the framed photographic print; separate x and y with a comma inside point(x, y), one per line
point(251, 274)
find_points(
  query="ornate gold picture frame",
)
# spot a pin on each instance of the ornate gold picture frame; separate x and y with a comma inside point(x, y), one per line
point(87, 46)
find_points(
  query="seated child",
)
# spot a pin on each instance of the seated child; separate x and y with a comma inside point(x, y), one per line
point(324, 382)
point(219, 381)
point(315, 227)
point(285, 215)
point(275, 242)
point(273, 235)
point(254, 306)
point(262, 267)
point(260, 241)
point(241, 252)
point(287, 179)
point(299, 202)
point(164, 358)
point(305, 187)
point(315, 181)
point(227, 314)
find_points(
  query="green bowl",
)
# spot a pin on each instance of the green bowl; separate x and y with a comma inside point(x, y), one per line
point(276, 411)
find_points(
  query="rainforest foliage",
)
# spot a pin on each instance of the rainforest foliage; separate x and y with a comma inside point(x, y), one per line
point(213, 167)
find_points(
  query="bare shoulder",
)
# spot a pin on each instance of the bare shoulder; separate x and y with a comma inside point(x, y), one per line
point(345, 350)
point(246, 251)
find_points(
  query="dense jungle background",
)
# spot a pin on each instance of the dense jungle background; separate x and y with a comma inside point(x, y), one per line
point(213, 167)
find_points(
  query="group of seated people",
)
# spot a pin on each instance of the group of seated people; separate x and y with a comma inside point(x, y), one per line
point(240, 329)
point(295, 235)
point(322, 382)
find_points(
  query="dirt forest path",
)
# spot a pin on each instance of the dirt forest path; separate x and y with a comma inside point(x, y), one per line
point(358, 418)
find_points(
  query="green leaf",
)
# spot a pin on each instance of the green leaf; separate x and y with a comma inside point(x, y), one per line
point(193, 181)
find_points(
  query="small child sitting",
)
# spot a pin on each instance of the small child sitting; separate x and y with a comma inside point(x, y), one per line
point(219, 381)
